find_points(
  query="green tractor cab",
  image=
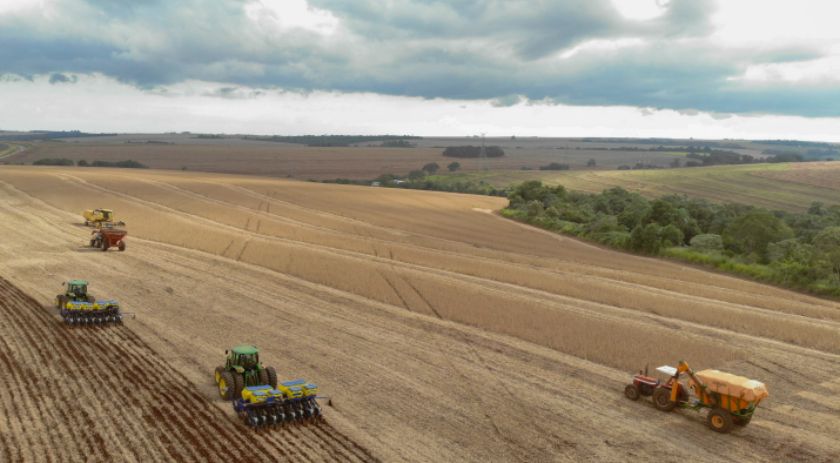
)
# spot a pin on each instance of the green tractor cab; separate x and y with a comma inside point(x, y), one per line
point(243, 369)
point(77, 292)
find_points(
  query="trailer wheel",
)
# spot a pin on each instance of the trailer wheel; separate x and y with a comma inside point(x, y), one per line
point(631, 392)
point(662, 400)
point(105, 245)
point(121, 246)
point(720, 420)
point(741, 420)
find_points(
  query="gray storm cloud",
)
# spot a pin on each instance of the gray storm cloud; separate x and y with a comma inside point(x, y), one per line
point(505, 51)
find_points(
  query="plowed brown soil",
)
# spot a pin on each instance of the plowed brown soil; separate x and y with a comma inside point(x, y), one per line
point(441, 331)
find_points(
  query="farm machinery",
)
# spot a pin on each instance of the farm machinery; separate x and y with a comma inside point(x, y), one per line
point(108, 236)
point(77, 307)
point(730, 399)
point(97, 217)
point(258, 399)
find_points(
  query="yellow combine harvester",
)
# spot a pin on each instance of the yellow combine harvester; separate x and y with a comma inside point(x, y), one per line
point(96, 217)
point(730, 399)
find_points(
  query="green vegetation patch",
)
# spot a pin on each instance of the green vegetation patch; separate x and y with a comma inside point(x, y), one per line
point(795, 250)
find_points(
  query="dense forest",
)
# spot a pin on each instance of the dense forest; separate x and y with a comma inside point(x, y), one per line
point(796, 250)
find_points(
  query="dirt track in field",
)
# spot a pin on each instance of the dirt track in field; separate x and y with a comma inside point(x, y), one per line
point(441, 331)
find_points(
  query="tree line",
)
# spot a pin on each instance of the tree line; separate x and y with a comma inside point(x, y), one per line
point(796, 250)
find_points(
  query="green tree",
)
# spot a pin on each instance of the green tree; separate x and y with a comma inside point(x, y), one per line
point(416, 174)
point(453, 166)
point(431, 167)
point(671, 236)
point(827, 245)
point(752, 232)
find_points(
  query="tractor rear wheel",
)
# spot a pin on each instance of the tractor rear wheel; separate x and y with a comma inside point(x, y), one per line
point(238, 385)
point(105, 245)
point(662, 400)
point(121, 246)
point(272, 376)
point(720, 420)
point(226, 385)
point(631, 392)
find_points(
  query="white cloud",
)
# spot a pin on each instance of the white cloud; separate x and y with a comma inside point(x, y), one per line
point(96, 103)
point(285, 15)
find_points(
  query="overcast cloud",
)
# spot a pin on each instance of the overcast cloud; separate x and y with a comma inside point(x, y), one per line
point(682, 55)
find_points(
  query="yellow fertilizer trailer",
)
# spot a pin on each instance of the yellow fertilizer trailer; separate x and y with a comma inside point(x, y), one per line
point(730, 399)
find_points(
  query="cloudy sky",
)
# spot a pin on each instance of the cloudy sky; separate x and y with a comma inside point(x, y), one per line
point(681, 68)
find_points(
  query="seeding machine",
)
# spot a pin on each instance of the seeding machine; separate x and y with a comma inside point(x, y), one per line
point(77, 307)
point(258, 399)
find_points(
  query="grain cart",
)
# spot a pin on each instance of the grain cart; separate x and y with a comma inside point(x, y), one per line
point(77, 307)
point(108, 236)
point(730, 399)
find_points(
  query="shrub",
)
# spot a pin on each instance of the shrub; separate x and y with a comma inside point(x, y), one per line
point(473, 152)
point(706, 242)
point(53, 162)
point(555, 166)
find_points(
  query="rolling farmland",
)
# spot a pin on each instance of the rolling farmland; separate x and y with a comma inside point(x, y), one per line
point(784, 186)
point(441, 331)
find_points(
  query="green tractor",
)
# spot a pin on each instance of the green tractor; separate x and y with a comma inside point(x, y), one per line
point(76, 292)
point(77, 307)
point(243, 369)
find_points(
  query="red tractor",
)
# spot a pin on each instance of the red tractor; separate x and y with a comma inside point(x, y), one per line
point(108, 237)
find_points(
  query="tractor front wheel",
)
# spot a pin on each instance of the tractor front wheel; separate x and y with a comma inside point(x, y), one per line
point(631, 392)
point(720, 420)
point(662, 400)
point(217, 375)
point(226, 385)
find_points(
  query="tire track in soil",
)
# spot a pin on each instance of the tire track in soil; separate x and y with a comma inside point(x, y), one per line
point(41, 352)
point(32, 351)
point(140, 431)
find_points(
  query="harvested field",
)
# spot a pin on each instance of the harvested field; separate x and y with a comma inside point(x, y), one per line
point(104, 394)
point(783, 186)
point(364, 161)
point(441, 331)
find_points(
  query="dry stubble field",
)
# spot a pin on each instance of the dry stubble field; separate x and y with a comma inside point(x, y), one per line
point(441, 331)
